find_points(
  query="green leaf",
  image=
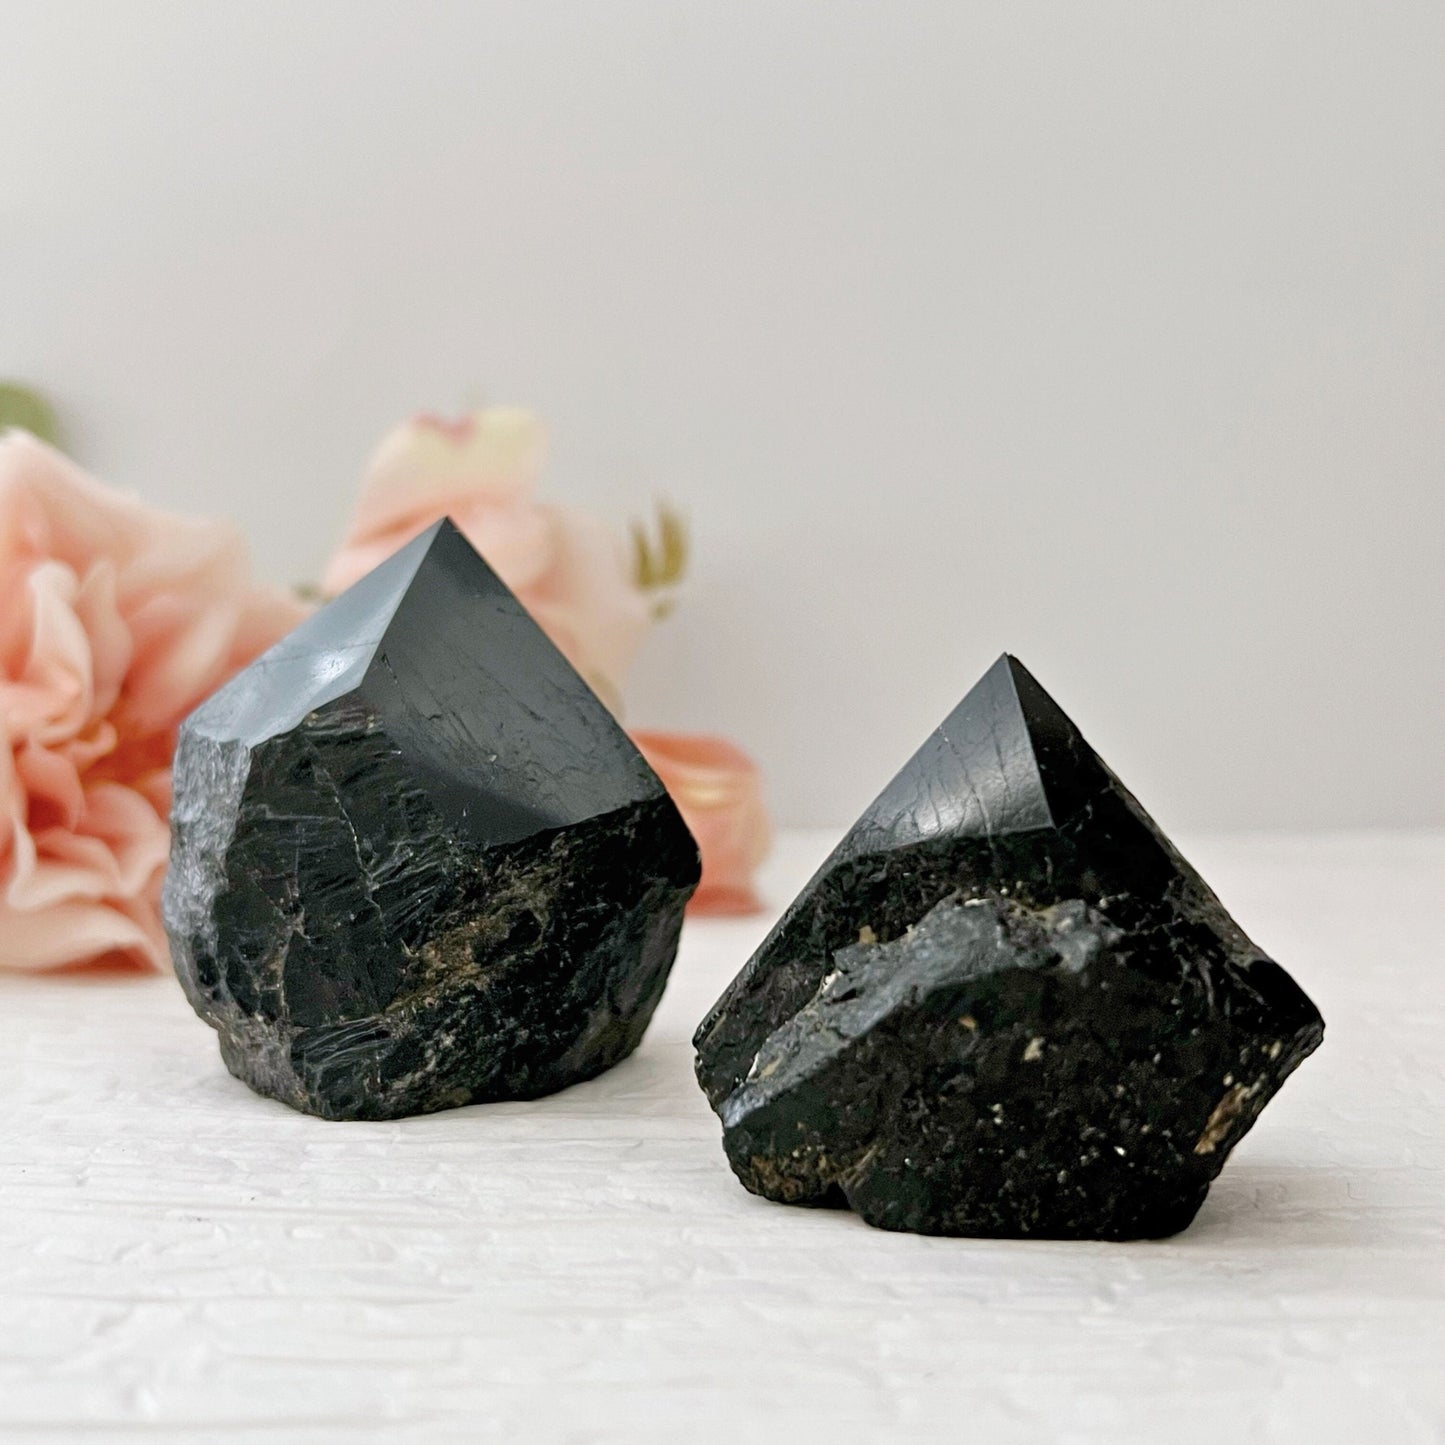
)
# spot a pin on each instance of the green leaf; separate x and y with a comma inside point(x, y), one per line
point(19, 406)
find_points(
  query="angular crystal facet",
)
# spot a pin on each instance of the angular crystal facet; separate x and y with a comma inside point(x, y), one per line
point(415, 861)
point(1005, 1005)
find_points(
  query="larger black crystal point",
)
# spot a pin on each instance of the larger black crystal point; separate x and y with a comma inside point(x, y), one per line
point(415, 861)
point(1005, 1005)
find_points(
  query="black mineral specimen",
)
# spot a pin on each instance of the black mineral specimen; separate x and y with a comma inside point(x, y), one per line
point(1004, 1006)
point(415, 861)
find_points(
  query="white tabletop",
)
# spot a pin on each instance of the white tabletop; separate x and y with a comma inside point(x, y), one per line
point(176, 1252)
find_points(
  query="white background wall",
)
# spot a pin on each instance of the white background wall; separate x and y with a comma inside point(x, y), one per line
point(1111, 334)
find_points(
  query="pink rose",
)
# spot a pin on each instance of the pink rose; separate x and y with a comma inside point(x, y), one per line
point(719, 793)
point(569, 571)
point(115, 621)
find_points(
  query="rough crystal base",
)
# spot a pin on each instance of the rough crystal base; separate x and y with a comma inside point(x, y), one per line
point(1004, 1006)
point(415, 861)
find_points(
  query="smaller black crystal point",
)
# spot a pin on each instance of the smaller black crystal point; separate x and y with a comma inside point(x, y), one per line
point(415, 861)
point(1004, 1006)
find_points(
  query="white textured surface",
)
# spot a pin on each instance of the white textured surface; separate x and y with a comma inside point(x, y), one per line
point(178, 1253)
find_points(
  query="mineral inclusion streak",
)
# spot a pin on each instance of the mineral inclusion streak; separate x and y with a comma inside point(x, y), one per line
point(416, 863)
point(1004, 1006)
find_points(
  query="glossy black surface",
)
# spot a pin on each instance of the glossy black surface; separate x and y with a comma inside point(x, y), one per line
point(1005, 1005)
point(415, 861)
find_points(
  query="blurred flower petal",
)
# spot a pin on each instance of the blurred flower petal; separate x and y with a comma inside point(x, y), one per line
point(718, 791)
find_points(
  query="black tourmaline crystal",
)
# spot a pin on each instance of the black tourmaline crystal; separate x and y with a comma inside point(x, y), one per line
point(1004, 1006)
point(416, 863)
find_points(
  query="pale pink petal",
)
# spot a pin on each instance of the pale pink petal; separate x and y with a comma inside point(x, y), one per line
point(24, 872)
point(480, 471)
point(51, 782)
point(496, 453)
point(516, 541)
point(426, 466)
point(115, 847)
point(98, 741)
point(79, 932)
point(97, 612)
point(15, 621)
point(356, 559)
point(49, 508)
point(50, 697)
point(184, 556)
point(266, 614)
point(136, 835)
point(155, 788)
point(12, 809)
point(588, 598)
point(58, 866)
point(718, 791)
point(180, 657)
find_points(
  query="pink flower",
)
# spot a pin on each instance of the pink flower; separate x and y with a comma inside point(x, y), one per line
point(718, 791)
point(569, 571)
point(115, 621)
